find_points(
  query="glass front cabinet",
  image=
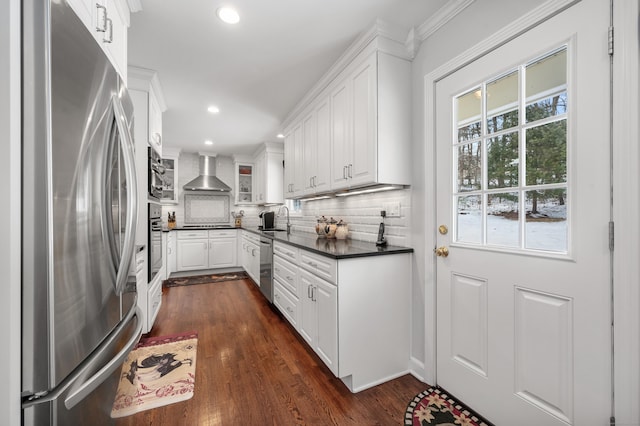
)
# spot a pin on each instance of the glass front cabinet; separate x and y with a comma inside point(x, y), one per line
point(244, 173)
point(169, 187)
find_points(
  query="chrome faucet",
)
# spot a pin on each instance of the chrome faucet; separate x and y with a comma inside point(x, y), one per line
point(288, 222)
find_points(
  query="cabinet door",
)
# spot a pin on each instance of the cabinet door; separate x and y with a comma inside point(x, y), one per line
point(361, 167)
point(289, 164)
point(340, 140)
point(244, 183)
point(322, 148)
point(171, 253)
point(255, 263)
point(308, 317)
point(170, 177)
point(326, 301)
point(309, 153)
point(222, 252)
point(193, 254)
point(155, 123)
point(259, 180)
point(298, 161)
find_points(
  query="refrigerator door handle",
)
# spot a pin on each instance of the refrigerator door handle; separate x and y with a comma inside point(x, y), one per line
point(126, 141)
point(99, 377)
point(78, 394)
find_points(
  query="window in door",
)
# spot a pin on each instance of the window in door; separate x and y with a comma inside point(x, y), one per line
point(511, 186)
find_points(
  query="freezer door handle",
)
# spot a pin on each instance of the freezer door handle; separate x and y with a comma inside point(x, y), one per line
point(126, 141)
point(78, 394)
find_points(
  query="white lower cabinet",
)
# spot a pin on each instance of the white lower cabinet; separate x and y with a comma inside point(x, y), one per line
point(250, 253)
point(353, 312)
point(170, 254)
point(319, 318)
point(201, 249)
point(223, 248)
point(192, 254)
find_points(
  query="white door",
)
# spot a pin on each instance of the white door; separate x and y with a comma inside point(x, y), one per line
point(523, 299)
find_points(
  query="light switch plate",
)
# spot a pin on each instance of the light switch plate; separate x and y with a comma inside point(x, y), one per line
point(392, 209)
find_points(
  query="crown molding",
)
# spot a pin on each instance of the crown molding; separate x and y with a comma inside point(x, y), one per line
point(146, 79)
point(440, 18)
point(385, 37)
point(135, 5)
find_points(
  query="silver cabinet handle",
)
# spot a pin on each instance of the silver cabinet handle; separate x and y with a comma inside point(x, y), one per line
point(313, 294)
point(344, 172)
point(309, 287)
point(108, 38)
point(289, 310)
point(350, 170)
point(289, 278)
point(101, 18)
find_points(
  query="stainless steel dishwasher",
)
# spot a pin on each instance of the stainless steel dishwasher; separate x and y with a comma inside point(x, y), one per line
point(266, 267)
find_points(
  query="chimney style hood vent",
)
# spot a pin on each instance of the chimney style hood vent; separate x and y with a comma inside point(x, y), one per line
point(207, 181)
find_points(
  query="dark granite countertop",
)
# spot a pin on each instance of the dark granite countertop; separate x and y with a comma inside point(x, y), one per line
point(200, 228)
point(336, 249)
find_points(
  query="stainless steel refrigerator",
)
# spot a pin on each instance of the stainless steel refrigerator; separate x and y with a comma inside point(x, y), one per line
point(79, 215)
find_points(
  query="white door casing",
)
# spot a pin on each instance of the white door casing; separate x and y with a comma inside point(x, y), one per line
point(524, 336)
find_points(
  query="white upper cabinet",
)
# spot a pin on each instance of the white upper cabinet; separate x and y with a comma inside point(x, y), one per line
point(293, 162)
point(356, 123)
point(108, 21)
point(148, 114)
point(321, 150)
point(269, 174)
point(244, 171)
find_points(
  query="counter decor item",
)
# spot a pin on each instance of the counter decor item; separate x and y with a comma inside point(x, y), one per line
point(171, 220)
point(330, 228)
point(320, 226)
point(342, 230)
point(238, 218)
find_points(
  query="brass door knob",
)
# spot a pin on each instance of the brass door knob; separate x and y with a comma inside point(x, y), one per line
point(441, 251)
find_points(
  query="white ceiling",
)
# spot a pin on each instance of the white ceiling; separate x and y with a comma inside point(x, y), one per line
point(255, 71)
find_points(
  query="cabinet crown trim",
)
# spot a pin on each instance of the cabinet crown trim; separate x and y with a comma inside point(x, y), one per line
point(146, 79)
point(391, 38)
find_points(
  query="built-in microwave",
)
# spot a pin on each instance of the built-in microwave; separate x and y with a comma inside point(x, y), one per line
point(156, 170)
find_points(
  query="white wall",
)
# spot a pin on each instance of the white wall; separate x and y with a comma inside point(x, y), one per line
point(10, 230)
point(480, 20)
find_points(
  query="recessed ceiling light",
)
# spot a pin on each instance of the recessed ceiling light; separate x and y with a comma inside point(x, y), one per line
point(280, 136)
point(213, 109)
point(228, 15)
point(208, 142)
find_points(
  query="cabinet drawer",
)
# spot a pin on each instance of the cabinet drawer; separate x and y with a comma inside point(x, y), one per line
point(187, 235)
point(288, 252)
point(287, 273)
point(251, 237)
point(228, 233)
point(319, 265)
point(285, 303)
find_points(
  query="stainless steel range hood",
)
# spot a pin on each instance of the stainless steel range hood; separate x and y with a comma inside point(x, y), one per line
point(207, 181)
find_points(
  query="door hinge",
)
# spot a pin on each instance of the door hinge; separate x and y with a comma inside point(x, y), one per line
point(610, 44)
point(612, 421)
point(611, 236)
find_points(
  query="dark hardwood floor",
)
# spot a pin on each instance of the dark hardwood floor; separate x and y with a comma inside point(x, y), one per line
point(253, 369)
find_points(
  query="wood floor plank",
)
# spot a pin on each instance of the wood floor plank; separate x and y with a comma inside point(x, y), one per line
point(253, 369)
